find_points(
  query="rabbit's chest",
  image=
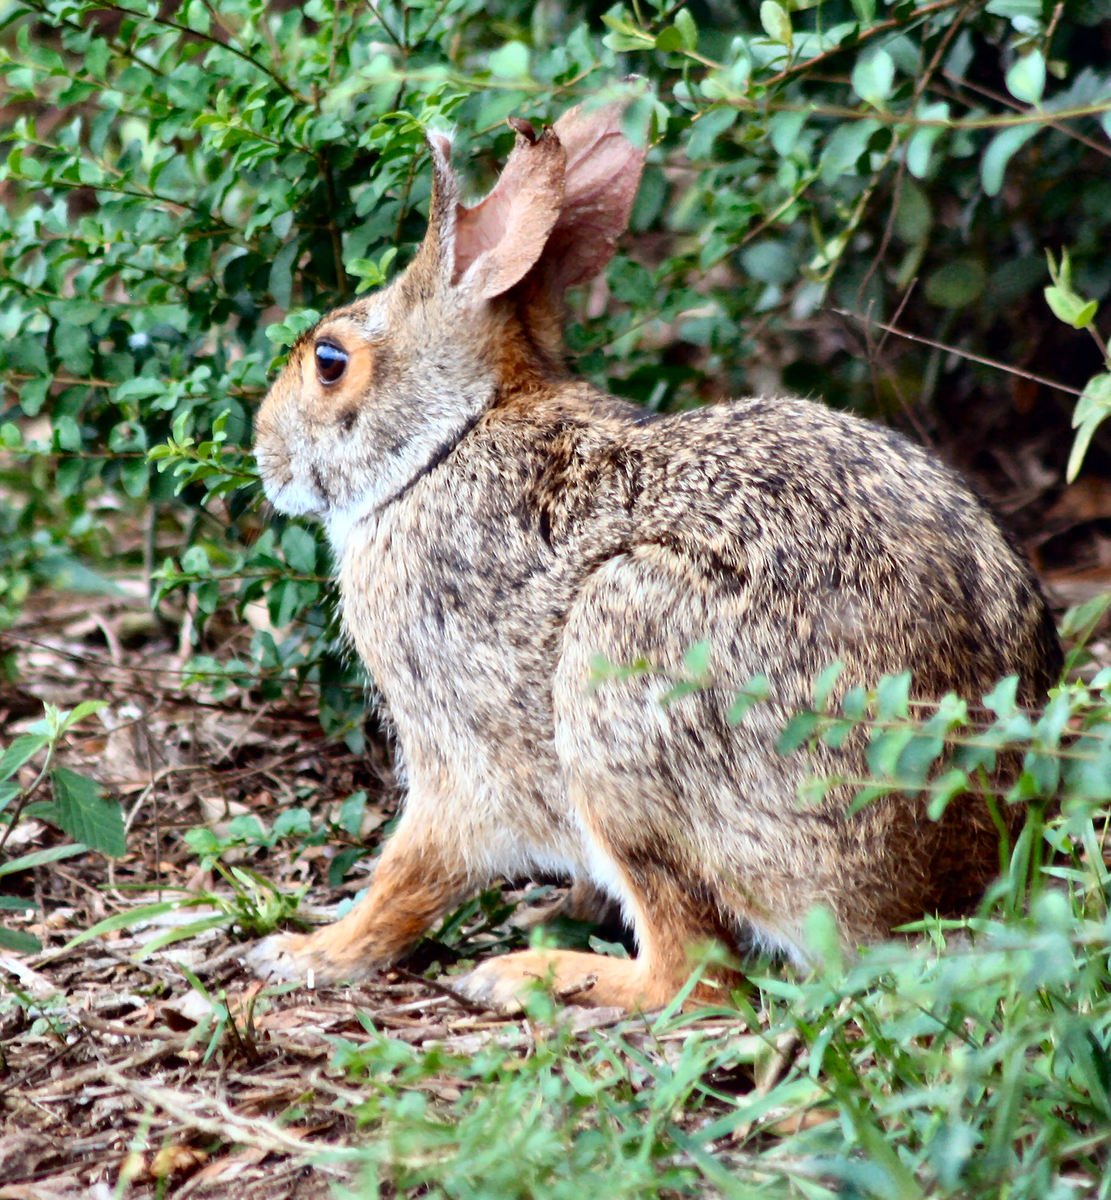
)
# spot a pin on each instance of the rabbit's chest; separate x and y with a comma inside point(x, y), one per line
point(458, 617)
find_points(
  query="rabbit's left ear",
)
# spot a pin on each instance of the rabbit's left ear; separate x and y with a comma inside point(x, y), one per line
point(483, 251)
point(499, 240)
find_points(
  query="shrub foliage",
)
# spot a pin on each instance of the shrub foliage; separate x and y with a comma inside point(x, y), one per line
point(187, 185)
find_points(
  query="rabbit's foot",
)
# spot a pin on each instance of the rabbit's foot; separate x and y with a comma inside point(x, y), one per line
point(581, 902)
point(413, 885)
point(594, 979)
point(311, 958)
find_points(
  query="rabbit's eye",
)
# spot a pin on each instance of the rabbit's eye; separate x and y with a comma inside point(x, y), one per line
point(331, 362)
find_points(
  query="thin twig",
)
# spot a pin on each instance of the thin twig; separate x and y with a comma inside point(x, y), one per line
point(444, 989)
point(863, 37)
point(386, 28)
point(214, 1117)
point(965, 354)
point(25, 795)
point(168, 23)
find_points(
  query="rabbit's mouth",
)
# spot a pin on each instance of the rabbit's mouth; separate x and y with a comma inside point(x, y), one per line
point(294, 498)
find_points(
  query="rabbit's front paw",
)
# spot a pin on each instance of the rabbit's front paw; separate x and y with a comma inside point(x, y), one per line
point(306, 958)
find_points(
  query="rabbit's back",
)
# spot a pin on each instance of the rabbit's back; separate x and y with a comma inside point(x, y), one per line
point(849, 542)
point(787, 537)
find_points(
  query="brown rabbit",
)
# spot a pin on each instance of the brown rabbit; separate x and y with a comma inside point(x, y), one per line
point(499, 524)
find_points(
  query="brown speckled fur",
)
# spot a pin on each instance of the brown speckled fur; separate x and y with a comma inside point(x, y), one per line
point(498, 523)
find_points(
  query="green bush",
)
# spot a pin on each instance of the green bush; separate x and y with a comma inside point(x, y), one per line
point(186, 187)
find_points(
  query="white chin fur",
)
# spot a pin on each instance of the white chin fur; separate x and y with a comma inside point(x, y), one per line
point(293, 499)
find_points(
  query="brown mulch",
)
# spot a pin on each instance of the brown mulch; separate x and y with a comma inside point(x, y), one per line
point(114, 1067)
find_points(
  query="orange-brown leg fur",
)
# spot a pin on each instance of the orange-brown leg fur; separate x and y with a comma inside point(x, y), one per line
point(670, 930)
point(414, 884)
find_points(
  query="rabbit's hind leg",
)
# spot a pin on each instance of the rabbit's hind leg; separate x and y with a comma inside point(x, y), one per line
point(669, 927)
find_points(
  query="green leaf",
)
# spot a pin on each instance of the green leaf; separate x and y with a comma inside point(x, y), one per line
point(1070, 308)
point(823, 940)
point(19, 942)
point(1067, 306)
point(182, 932)
point(33, 393)
point(281, 273)
point(884, 749)
point(135, 477)
point(865, 11)
point(1026, 77)
point(625, 35)
point(40, 858)
point(921, 143)
point(706, 128)
point(845, 148)
point(351, 811)
point(696, 661)
point(341, 864)
point(132, 917)
point(21, 751)
point(1094, 402)
point(688, 30)
point(78, 713)
point(1029, 9)
point(83, 813)
point(285, 333)
point(636, 120)
point(1000, 151)
point(917, 759)
point(299, 548)
point(140, 387)
point(825, 683)
point(510, 61)
point(292, 822)
point(669, 40)
point(1002, 699)
point(956, 284)
point(913, 216)
point(893, 696)
point(873, 78)
point(753, 692)
point(1092, 409)
point(776, 22)
point(796, 732)
point(770, 262)
point(944, 790)
point(784, 129)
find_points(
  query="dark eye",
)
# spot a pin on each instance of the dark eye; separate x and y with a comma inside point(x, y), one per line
point(331, 362)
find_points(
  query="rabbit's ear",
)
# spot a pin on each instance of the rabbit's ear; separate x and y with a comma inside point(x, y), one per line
point(600, 183)
point(556, 212)
point(500, 239)
point(435, 258)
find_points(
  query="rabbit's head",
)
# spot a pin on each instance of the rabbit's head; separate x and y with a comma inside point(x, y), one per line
point(381, 389)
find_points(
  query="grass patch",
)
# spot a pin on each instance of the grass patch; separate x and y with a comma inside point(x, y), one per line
point(977, 1068)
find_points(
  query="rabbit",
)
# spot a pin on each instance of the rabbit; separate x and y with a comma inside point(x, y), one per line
point(500, 526)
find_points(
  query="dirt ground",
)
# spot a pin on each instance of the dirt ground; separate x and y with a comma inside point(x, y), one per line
point(111, 1052)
